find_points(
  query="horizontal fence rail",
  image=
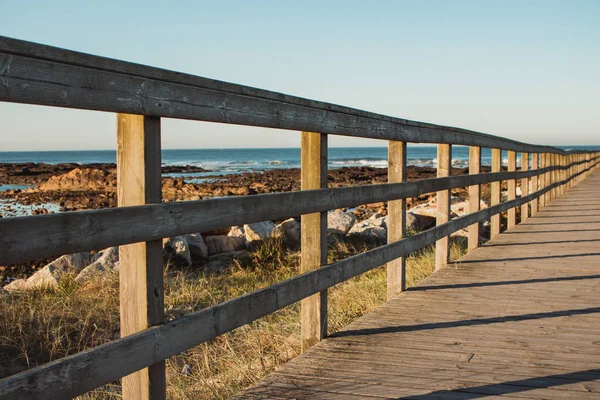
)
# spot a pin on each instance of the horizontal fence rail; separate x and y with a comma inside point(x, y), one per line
point(106, 363)
point(43, 75)
point(49, 235)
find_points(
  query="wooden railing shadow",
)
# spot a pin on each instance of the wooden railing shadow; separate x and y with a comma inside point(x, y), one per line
point(140, 96)
point(515, 386)
point(466, 322)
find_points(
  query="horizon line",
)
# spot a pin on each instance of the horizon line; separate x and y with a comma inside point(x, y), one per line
point(274, 148)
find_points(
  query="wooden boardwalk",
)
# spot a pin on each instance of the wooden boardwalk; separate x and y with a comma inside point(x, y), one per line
point(518, 317)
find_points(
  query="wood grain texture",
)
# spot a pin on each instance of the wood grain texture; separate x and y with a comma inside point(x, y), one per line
point(474, 195)
point(524, 186)
point(444, 168)
point(543, 179)
point(512, 187)
point(313, 319)
point(495, 192)
point(44, 236)
point(483, 328)
point(45, 75)
point(106, 363)
point(535, 182)
point(552, 162)
point(141, 264)
point(396, 221)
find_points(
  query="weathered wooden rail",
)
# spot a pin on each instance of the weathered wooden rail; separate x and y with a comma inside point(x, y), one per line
point(140, 95)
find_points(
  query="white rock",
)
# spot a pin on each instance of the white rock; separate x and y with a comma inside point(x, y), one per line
point(105, 260)
point(424, 209)
point(289, 230)
point(16, 285)
point(339, 222)
point(461, 208)
point(198, 249)
point(223, 244)
point(237, 231)
point(379, 221)
point(259, 231)
point(51, 274)
point(178, 248)
point(369, 229)
point(418, 222)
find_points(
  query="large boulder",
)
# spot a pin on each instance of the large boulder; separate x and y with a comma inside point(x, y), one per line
point(178, 249)
point(289, 231)
point(51, 273)
point(220, 262)
point(427, 209)
point(418, 222)
point(339, 222)
point(197, 246)
point(103, 261)
point(82, 179)
point(370, 229)
point(462, 208)
point(258, 231)
point(224, 244)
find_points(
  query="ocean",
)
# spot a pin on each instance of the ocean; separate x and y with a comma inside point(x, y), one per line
point(229, 161)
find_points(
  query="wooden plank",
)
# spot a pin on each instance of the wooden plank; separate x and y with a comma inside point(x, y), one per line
point(512, 187)
point(45, 75)
point(524, 186)
point(141, 273)
point(474, 195)
point(495, 192)
point(396, 222)
point(313, 319)
point(44, 236)
point(534, 183)
point(444, 168)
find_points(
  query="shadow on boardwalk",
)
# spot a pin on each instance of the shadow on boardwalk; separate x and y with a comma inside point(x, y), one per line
point(468, 322)
point(519, 386)
point(518, 317)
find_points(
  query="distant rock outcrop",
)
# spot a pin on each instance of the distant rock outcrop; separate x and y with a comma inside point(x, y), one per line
point(83, 179)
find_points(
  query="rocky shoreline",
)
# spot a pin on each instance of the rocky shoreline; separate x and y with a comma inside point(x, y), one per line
point(92, 186)
point(72, 187)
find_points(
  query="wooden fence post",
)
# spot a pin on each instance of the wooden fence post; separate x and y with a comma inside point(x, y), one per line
point(512, 189)
point(553, 175)
point(442, 246)
point(545, 179)
point(495, 195)
point(563, 174)
point(396, 269)
point(474, 195)
point(141, 272)
point(534, 183)
point(313, 237)
point(524, 186)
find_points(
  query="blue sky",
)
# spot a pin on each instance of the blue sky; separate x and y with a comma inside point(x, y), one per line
point(522, 70)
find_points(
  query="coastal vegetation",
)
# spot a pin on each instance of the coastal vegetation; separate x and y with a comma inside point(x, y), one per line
point(44, 317)
point(48, 323)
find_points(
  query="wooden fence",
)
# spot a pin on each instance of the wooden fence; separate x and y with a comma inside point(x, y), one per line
point(140, 95)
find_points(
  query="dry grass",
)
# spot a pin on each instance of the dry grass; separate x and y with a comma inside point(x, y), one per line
point(44, 325)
